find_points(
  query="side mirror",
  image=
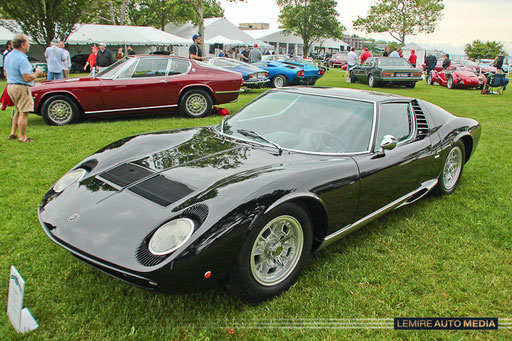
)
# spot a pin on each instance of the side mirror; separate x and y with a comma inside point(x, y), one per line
point(388, 142)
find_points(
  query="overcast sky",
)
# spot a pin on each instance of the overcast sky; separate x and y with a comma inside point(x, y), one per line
point(463, 21)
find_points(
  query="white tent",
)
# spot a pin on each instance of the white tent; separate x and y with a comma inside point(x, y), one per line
point(420, 51)
point(5, 35)
point(88, 34)
point(225, 41)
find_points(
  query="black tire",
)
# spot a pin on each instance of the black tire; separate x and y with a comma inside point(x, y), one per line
point(430, 79)
point(372, 82)
point(411, 85)
point(246, 281)
point(351, 77)
point(449, 178)
point(59, 110)
point(279, 81)
point(449, 83)
point(195, 103)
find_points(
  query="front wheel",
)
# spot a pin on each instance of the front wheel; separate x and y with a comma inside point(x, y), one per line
point(279, 81)
point(273, 255)
point(195, 103)
point(450, 84)
point(60, 110)
point(452, 169)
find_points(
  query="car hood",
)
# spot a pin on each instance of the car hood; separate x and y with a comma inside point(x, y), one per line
point(67, 82)
point(136, 184)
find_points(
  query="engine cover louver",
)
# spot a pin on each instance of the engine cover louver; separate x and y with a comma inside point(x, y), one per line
point(161, 190)
point(421, 121)
point(126, 174)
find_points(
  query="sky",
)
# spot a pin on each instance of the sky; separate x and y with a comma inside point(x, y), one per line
point(463, 21)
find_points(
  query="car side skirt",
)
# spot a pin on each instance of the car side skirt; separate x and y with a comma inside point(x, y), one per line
point(132, 109)
point(402, 201)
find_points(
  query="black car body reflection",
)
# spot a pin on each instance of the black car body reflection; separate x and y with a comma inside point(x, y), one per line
point(319, 149)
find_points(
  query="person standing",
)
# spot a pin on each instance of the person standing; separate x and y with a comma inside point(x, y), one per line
point(91, 61)
point(195, 52)
point(498, 63)
point(20, 77)
point(103, 58)
point(244, 56)
point(255, 54)
point(412, 58)
point(351, 61)
point(55, 59)
point(8, 48)
point(446, 62)
point(366, 54)
point(130, 51)
point(395, 53)
point(386, 52)
point(67, 64)
point(120, 54)
point(430, 63)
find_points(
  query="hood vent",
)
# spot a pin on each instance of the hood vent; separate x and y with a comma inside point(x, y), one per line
point(161, 190)
point(421, 121)
point(125, 174)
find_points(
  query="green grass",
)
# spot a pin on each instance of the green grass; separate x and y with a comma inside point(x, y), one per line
point(441, 257)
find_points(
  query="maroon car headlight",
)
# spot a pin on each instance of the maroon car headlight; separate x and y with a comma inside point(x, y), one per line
point(171, 236)
point(68, 179)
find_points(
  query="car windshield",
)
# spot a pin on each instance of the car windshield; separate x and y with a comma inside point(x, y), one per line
point(305, 122)
point(393, 62)
point(111, 71)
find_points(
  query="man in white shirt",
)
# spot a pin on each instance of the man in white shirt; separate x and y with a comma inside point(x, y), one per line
point(395, 53)
point(352, 59)
point(54, 60)
point(66, 65)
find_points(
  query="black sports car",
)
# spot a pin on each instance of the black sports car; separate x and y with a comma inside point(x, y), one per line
point(246, 201)
point(386, 70)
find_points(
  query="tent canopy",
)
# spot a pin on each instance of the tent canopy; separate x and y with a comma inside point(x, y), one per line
point(5, 35)
point(223, 40)
point(122, 35)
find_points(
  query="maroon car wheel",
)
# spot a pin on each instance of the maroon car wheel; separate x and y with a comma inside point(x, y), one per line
point(59, 110)
point(195, 103)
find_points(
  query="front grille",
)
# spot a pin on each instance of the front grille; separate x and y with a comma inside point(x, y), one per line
point(161, 190)
point(421, 121)
point(125, 174)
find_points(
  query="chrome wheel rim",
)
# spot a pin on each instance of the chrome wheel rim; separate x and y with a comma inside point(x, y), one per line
point(196, 104)
point(452, 168)
point(450, 82)
point(279, 82)
point(60, 111)
point(371, 81)
point(277, 250)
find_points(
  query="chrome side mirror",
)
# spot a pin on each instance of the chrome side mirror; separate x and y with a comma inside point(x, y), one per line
point(388, 142)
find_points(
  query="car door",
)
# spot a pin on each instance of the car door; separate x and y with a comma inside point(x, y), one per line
point(362, 71)
point(142, 85)
point(389, 176)
point(177, 78)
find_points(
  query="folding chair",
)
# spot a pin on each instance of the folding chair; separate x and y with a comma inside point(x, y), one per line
point(495, 84)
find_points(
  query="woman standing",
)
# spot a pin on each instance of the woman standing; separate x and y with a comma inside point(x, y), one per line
point(91, 61)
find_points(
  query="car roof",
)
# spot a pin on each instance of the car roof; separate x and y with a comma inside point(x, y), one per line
point(345, 93)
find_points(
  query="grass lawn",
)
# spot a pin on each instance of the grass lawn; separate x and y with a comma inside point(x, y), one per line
point(441, 257)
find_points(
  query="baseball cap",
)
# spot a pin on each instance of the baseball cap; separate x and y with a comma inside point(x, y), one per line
point(102, 44)
point(195, 36)
point(366, 49)
point(255, 45)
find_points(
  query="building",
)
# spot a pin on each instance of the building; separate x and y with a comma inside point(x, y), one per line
point(353, 41)
point(254, 26)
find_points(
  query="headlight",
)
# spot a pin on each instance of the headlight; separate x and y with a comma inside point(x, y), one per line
point(69, 179)
point(170, 236)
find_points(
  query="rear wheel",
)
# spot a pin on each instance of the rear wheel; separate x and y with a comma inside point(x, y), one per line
point(430, 79)
point(450, 84)
point(195, 103)
point(452, 170)
point(60, 110)
point(411, 85)
point(372, 82)
point(273, 255)
point(279, 81)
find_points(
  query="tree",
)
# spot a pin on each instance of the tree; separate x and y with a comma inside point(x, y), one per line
point(45, 20)
point(401, 18)
point(479, 49)
point(312, 20)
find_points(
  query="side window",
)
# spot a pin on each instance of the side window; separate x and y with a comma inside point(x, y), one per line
point(367, 62)
point(178, 66)
point(395, 119)
point(128, 72)
point(151, 67)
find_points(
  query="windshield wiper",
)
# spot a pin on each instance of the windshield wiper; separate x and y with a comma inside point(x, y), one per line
point(253, 134)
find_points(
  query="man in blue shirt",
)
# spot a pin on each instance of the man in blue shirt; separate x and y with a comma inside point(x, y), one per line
point(20, 77)
point(54, 59)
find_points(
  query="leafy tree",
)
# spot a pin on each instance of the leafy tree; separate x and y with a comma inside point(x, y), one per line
point(312, 20)
point(479, 49)
point(45, 20)
point(401, 18)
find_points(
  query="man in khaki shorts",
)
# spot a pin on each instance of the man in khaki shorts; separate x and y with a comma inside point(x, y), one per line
point(20, 77)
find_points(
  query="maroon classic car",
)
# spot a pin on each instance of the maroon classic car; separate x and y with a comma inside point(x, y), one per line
point(138, 85)
point(339, 59)
point(458, 78)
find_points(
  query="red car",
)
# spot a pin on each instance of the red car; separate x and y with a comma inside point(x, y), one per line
point(138, 85)
point(339, 59)
point(456, 79)
point(472, 66)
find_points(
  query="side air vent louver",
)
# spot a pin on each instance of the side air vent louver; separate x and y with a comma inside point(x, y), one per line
point(197, 212)
point(421, 121)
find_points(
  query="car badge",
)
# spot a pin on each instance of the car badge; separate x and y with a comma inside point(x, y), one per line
point(73, 217)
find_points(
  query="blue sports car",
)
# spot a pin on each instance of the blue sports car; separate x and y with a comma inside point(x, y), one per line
point(284, 73)
point(253, 76)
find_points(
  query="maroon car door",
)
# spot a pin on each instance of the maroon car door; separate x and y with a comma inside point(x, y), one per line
point(177, 77)
point(142, 86)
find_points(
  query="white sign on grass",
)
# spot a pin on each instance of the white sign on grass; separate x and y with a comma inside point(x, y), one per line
point(20, 317)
